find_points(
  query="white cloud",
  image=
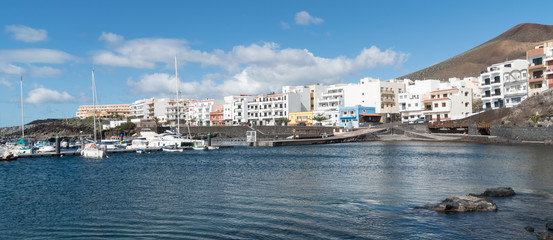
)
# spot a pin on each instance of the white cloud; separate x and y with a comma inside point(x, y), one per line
point(44, 71)
point(11, 69)
point(27, 34)
point(142, 53)
point(5, 82)
point(252, 69)
point(285, 25)
point(164, 85)
point(34, 55)
point(111, 37)
point(41, 95)
point(304, 18)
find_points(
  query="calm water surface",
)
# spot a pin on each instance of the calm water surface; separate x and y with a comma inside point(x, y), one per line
point(342, 191)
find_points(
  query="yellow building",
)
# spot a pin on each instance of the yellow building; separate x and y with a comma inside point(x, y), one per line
point(300, 117)
point(102, 111)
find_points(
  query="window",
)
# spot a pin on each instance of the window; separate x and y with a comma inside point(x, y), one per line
point(466, 104)
point(416, 104)
point(466, 94)
point(443, 104)
point(435, 104)
point(445, 115)
point(537, 61)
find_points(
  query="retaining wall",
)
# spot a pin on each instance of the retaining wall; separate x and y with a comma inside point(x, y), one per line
point(240, 131)
point(522, 133)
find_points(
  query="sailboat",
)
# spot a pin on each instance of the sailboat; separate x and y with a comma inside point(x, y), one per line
point(20, 147)
point(93, 150)
point(174, 139)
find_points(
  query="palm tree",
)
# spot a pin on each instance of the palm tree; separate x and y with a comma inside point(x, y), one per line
point(320, 118)
point(282, 120)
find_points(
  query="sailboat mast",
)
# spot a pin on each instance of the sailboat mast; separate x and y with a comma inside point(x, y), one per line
point(94, 105)
point(177, 80)
point(22, 122)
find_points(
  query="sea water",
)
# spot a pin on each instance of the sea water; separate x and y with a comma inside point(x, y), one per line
point(368, 190)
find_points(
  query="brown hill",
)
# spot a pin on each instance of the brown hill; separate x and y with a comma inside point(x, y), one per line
point(512, 44)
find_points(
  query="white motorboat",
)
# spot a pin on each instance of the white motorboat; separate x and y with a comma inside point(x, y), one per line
point(92, 150)
point(109, 144)
point(46, 148)
point(167, 149)
point(170, 139)
point(138, 143)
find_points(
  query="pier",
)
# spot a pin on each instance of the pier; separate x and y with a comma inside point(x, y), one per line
point(337, 138)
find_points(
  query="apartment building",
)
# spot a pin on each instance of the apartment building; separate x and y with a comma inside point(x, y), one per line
point(410, 102)
point(540, 73)
point(198, 111)
point(235, 109)
point(171, 111)
point(382, 95)
point(315, 91)
point(103, 111)
point(447, 104)
point(505, 84)
point(149, 108)
point(216, 118)
point(267, 109)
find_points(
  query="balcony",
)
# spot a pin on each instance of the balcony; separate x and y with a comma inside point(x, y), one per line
point(515, 93)
point(330, 100)
point(387, 101)
point(533, 66)
point(385, 92)
point(514, 80)
point(539, 78)
point(534, 52)
point(332, 94)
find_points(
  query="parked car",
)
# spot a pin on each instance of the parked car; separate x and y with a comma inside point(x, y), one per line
point(419, 120)
point(301, 124)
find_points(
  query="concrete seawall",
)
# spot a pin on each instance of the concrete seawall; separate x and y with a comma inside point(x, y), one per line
point(268, 132)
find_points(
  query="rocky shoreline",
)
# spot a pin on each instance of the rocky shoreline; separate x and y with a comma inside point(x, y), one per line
point(482, 203)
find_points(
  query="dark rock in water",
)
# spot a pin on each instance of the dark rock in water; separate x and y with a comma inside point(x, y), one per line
point(499, 192)
point(544, 236)
point(549, 225)
point(464, 203)
point(529, 229)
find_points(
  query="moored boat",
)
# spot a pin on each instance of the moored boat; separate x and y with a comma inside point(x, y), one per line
point(167, 149)
point(8, 156)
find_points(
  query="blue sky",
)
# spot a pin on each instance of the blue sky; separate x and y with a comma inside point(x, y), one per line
point(225, 47)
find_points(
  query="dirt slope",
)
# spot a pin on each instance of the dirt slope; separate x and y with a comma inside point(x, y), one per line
point(510, 45)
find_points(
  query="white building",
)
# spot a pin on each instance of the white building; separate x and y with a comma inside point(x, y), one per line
point(504, 84)
point(172, 108)
point(369, 92)
point(198, 111)
point(447, 104)
point(149, 108)
point(267, 109)
point(235, 109)
point(410, 102)
point(141, 108)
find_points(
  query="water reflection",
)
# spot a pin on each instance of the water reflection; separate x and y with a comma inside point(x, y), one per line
point(356, 190)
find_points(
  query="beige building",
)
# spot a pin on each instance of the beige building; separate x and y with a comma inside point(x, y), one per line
point(103, 111)
point(540, 69)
